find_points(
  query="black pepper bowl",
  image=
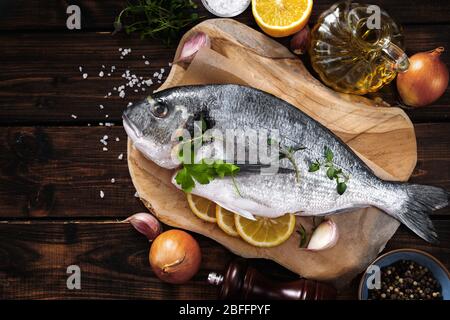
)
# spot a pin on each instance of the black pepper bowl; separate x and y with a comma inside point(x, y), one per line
point(437, 269)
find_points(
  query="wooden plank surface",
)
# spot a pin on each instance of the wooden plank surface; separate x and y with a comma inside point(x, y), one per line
point(47, 170)
point(99, 15)
point(40, 79)
point(113, 259)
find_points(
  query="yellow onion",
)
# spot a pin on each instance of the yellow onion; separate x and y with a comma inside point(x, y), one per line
point(175, 256)
point(426, 79)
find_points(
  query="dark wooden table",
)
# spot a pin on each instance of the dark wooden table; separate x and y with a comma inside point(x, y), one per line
point(52, 166)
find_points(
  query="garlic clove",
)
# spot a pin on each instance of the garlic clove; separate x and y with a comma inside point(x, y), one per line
point(324, 236)
point(300, 41)
point(146, 224)
point(192, 45)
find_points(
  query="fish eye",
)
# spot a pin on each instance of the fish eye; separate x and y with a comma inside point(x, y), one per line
point(160, 110)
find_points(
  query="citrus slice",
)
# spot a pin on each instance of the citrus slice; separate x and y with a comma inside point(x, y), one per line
point(265, 232)
point(203, 208)
point(281, 18)
point(225, 221)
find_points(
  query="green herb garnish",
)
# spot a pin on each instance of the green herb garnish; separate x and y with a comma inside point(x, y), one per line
point(288, 153)
point(303, 236)
point(157, 19)
point(332, 171)
point(204, 172)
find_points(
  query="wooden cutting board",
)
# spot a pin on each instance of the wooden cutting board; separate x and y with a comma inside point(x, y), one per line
point(382, 136)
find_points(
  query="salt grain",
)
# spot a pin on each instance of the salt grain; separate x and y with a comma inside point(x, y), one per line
point(113, 180)
point(85, 75)
point(122, 94)
point(117, 139)
point(80, 68)
point(102, 194)
point(120, 157)
point(74, 116)
point(101, 106)
point(136, 194)
point(147, 63)
point(105, 149)
point(101, 74)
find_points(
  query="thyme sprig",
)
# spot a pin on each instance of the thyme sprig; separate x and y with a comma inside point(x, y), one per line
point(333, 172)
point(157, 19)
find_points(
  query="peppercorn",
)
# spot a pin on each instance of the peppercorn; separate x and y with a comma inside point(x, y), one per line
point(407, 280)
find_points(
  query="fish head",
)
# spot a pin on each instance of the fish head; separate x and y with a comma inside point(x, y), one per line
point(152, 126)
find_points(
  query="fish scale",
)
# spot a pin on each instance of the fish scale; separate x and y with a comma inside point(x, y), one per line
point(151, 124)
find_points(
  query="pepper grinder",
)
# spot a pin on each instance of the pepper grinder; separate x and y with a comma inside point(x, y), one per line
point(242, 282)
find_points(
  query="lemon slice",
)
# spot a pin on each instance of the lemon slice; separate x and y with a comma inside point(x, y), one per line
point(202, 208)
point(225, 221)
point(281, 18)
point(265, 232)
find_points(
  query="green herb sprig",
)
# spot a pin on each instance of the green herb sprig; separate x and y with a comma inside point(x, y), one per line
point(203, 171)
point(288, 153)
point(157, 19)
point(332, 171)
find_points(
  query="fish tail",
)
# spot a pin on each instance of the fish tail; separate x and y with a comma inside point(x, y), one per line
point(418, 203)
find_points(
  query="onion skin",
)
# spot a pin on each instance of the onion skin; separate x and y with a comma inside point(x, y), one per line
point(175, 256)
point(426, 79)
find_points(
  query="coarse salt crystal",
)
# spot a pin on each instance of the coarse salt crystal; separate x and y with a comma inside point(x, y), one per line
point(102, 194)
point(113, 180)
point(101, 74)
point(122, 94)
point(100, 123)
point(146, 62)
point(120, 157)
point(129, 104)
point(74, 116)
point(163, 70)
point(120, 49)
point(106, 116)
point(80, 68)
point(105, 149)
point(85, 75)
point(101, 106)
point(105, 137)
point(136, 194)
point(117, 139)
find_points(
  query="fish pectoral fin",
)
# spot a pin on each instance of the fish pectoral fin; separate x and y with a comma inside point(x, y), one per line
point(238, 211)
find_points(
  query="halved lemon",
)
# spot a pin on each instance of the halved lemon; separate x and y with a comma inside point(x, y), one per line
point(225, 221)
point(281, 18)
point(265, 232)
point(202, 208)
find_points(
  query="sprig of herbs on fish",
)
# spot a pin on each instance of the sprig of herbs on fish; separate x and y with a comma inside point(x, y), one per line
point(151, 124)
point(157, 19)
point(333, 172)
point(203, 171)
